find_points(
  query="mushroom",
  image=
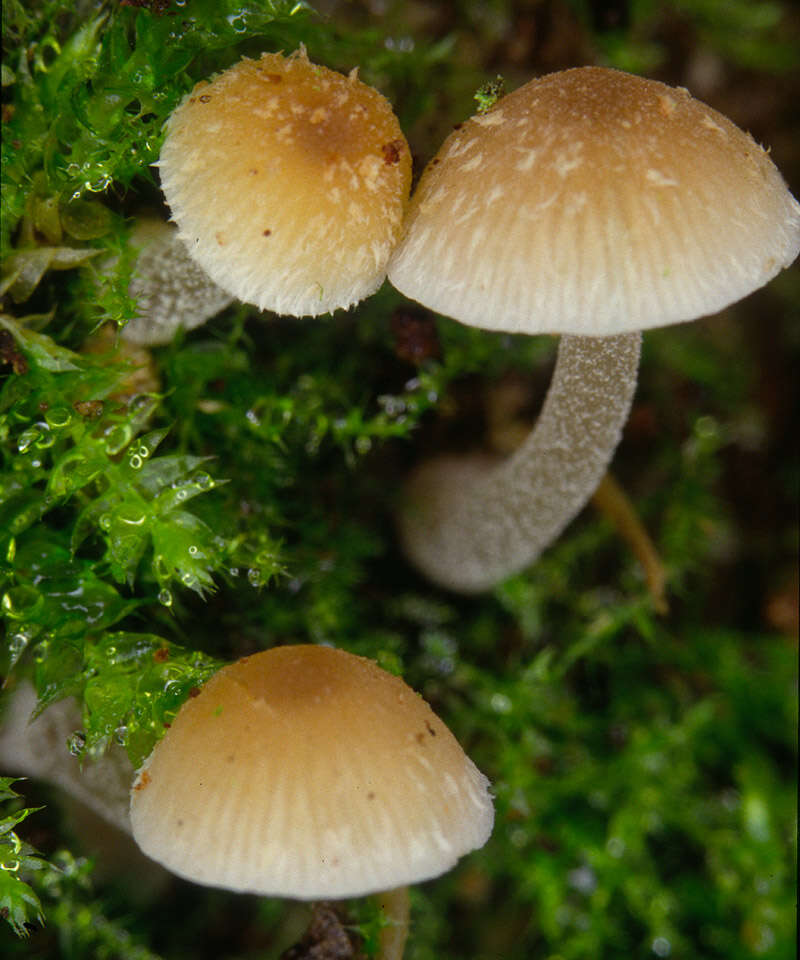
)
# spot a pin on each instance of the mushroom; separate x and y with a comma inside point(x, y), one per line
point(288, 183)
point(308, 772)
point(170, 289)
point(593, 204)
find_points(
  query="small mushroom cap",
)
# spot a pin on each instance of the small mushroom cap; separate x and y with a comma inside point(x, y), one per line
point(169, 288)
point(594, 202)
point(288, 182)
point(308, 772)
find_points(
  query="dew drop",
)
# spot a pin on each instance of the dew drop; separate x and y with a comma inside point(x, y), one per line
point(58, 417)
point(117, 438)
point(500, 703)
point(46, 438)
point(662, 947)
point(76, 742)
point(130, 516)
point(17, 644)
point(27, 438)
point(165, 597)
point(19, 602)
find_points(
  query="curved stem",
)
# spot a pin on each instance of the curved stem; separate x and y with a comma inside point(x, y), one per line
point(467, 522)
point(396, 910)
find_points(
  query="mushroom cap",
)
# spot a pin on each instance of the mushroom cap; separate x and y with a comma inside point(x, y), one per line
point(308, 772)
point(594, 202)
point(288, 182)
point(170, 289)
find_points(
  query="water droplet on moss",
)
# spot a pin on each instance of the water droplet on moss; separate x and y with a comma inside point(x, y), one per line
point(76, 742)
point(18, 642)
point(130, 516)
point(58, 417)
point(117, 438)
point(500, 703)
point(160, 568)
point(22, 601)
point(135, 461)
point(165, 597)
point(27, 438)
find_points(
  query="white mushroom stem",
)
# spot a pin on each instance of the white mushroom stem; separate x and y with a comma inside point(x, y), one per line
point(396, 911)
point(468, 522)
point(37, 747)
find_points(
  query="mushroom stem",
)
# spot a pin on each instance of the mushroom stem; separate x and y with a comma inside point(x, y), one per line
point(37, 747)
point(396, 910)
point(468, 523)
point(609, 498)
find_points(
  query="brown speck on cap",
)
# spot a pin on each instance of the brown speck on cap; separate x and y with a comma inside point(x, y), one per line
point(311, 726)
point(392, 151)
point(142, 781)
point(317, 138)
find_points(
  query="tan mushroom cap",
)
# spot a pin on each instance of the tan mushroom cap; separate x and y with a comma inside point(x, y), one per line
point(308, 772)
point(594, 202)
point(288, 182)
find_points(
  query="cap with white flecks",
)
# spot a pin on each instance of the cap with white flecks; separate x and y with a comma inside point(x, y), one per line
point(594, 202)
point(308, 772)
point(288, 182)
